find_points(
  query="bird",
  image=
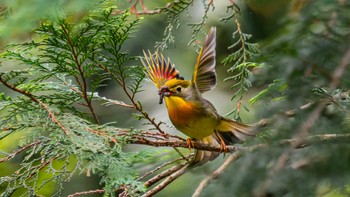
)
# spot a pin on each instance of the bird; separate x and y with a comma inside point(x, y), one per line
point(187, 109)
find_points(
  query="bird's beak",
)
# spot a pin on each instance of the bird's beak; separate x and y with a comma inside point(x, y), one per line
point(163, 91)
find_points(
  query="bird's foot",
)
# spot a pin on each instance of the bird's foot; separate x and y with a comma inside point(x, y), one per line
point(223, 147)
point(190, 143)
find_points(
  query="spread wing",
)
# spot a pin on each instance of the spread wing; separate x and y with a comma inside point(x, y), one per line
point(158, 69)
point(204, 75)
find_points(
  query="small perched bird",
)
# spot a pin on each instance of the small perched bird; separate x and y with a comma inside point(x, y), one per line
point(189, 112)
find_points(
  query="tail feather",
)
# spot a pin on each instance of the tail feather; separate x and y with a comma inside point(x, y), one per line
point(230, 131)
point(201, 156)
point(234, 132)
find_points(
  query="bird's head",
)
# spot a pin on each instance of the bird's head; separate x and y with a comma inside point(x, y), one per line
point(167, 78)
point(175, 87)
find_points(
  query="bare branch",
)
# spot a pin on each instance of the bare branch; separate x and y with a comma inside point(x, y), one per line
point(87, 192)
point(161, 166)
point(204, 183)
point(339, 72)
point(164, 174)
point(167, 181)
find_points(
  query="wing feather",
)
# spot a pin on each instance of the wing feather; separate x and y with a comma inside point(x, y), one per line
point(204, 75)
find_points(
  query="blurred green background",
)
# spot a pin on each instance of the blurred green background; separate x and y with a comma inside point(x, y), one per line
point(261, 18)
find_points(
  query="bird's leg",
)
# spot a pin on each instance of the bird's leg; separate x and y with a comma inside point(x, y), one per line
point(189, 143)
point(223, 147)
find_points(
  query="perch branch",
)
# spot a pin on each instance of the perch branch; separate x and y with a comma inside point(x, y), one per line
point(204, 183)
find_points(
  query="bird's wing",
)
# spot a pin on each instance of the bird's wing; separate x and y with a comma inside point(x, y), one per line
point(158, 69)
point(204, 75)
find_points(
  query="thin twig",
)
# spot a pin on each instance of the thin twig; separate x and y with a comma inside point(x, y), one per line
point(83, 85)
point(87, 192)
point(34, 99)
point(115, 102)
point(204, 183)
point(164, 174)
point(166, 182)
point(16, 152)
point(160, 167)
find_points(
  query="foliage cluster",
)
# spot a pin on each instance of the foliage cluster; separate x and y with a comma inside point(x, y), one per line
point(53, 109)
point(52, 96)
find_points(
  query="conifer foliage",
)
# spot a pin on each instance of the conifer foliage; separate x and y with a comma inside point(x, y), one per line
point(300, 72)
point(57, 78)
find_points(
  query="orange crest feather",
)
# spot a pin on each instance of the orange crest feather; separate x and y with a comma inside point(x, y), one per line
point(158, 69)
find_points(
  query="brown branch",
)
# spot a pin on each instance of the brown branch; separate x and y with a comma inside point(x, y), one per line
point(102, 133)
point(164, 174)
point(166, 182)
point(8, 157)
point(83, 85)
point(34, 99)
point(239, 29)
point(161, 166)
point(177, 171)
point(87, 192)
point(340, 70)
point(204, 183)
point(169, 141)
point(120, 103)
point(176, 143)
point(164, 135)
point(54, 119)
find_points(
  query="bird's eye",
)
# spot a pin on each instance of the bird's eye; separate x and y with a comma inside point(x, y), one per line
point(178, 89)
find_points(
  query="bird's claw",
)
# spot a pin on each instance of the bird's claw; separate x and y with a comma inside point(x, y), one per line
point(190, 143)
point(223, 147)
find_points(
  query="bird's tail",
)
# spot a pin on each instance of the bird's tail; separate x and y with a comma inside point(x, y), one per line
point(233, 132)
point(202, 156)
point(230, 131)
